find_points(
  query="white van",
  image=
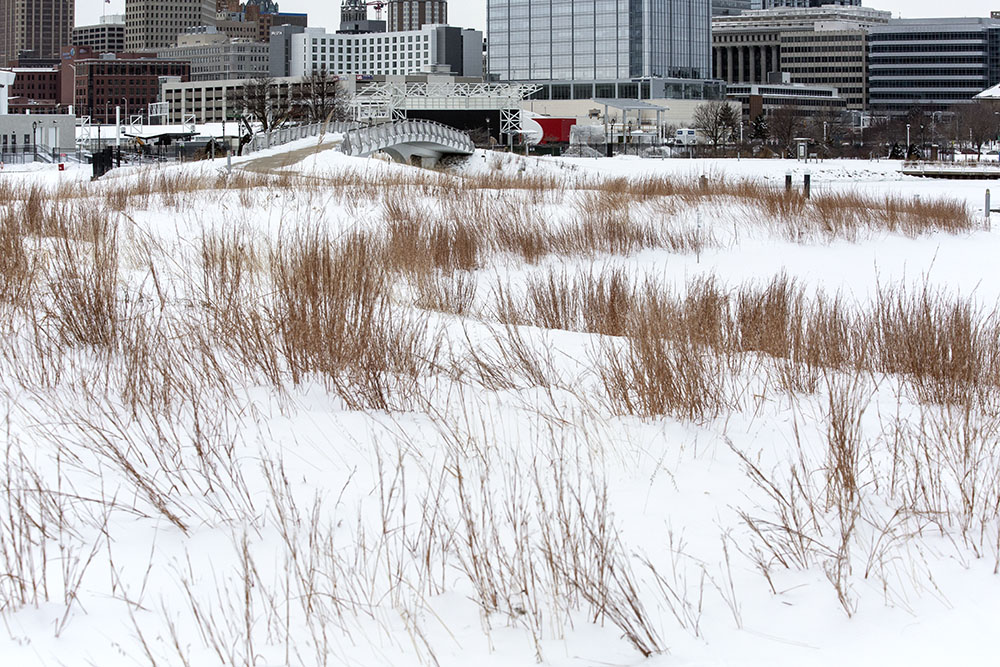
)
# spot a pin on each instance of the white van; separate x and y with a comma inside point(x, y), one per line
point(687, 136)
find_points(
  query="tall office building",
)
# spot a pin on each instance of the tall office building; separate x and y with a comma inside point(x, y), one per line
point(578, 49)
point(733, 7)
point(433, 48)
point(155, 24)
point(216, 57)
point(36, 27)
point(279, 57)
point(932, 64)
point(815, 46)
point(108, 36)
point(771, 4)
point(415, 14)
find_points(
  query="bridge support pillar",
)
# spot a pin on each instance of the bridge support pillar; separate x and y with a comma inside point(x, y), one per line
point(414, 156)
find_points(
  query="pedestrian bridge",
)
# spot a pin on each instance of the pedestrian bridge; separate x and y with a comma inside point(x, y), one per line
point(422, 142)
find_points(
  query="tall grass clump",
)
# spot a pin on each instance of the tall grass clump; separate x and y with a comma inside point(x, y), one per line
point(667, 365)
point(84, 280)
point(16, 272)
point(418, 241)
point(334, 317)
point(945, 346)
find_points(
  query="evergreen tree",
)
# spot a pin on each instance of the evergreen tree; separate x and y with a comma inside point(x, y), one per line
point(759, 131)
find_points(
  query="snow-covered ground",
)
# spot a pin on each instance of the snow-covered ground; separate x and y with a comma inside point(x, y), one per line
point(167, 501)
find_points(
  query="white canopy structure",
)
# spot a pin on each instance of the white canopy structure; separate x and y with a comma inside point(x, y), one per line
point(990, 93)
point(6, 81)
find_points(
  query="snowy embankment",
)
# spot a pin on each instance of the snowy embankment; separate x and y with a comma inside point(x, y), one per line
point(323, 410)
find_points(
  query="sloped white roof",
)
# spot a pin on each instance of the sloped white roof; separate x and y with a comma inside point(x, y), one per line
point(990, 93)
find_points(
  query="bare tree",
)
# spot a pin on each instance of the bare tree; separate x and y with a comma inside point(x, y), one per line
point(785, 126)
point(321, 97)
point(260, 101)
point(979, 121)
point(717, 121)
point(879, 133)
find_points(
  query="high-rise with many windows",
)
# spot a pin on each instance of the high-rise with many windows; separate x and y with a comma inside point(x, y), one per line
point(38, 28)
point(772, 4)
point(415, 14)
point(155, 24)
point(815, 46)
point(931, 64)
point(433, 48)
point(626, 47)
point(108, 36)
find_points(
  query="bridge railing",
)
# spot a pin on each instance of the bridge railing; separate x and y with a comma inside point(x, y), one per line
point(264, 140)
point(367, 140)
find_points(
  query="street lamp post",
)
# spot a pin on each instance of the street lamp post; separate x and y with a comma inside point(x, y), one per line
point(127, 119)
point(907, 156)
point(34, 140)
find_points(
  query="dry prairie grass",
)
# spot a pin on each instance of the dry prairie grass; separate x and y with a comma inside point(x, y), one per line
point(947, 345)
point(532, 539)
point(438, 248)
point(334, 317)
point(447, 293)
point(600, 304)
point(84, 284)
point(417, 247)
point(16, 271)
point(830, 215)
point(942, 346)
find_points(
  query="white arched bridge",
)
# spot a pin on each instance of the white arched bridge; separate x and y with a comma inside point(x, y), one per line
point(408, 141)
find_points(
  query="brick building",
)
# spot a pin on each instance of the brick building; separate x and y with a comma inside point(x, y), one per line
point(42, 90)
point(129, 80)
point(415, 14)
point(268, 21)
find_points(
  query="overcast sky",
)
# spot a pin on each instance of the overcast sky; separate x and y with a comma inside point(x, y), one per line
point(472, 13)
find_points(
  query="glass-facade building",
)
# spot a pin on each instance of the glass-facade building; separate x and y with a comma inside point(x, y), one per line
point(599, 40)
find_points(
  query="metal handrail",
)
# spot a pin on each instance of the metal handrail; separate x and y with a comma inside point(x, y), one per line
point(284, 135)
point(367, 140)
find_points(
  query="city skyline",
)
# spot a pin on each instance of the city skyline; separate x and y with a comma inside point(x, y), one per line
point(472, 13)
